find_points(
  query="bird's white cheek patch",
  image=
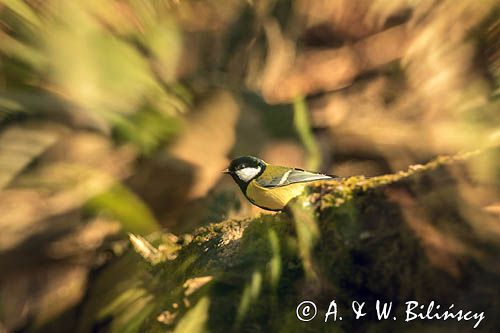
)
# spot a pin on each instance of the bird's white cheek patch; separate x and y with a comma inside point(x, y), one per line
point(247, 174)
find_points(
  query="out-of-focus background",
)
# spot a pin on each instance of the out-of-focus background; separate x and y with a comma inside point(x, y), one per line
point(117, 116)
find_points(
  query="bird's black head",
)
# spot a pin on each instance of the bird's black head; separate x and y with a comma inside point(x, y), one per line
point(244, 169)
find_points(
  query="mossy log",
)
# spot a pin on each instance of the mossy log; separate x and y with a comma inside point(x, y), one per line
point(427, 234)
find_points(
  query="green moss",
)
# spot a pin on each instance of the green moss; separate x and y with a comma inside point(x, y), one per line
point(357, 239)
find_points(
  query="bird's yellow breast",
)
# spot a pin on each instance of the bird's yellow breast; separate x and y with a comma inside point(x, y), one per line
point(273, 198)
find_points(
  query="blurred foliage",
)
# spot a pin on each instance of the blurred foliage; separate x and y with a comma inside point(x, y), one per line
point(117, 116)
point(124, 206)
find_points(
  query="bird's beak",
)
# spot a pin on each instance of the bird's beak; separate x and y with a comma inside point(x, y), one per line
point(225, 170)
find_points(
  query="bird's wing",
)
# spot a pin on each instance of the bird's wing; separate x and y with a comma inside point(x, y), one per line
point(291, 176)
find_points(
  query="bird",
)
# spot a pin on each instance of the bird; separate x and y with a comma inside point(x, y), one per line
point(270, 187)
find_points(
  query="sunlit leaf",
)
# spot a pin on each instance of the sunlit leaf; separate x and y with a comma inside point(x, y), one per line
point(195, 319)
point(123, 205)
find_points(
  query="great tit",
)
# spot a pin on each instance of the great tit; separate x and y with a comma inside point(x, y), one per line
point(268, 186)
